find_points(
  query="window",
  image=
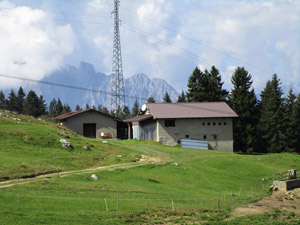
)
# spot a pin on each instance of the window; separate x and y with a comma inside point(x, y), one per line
point(187, 136)
point(169, 123)
point(208, 124)
point(214, 124)
point(204, 137)
point(220, 123)
point(225, 123)
point(203, 124)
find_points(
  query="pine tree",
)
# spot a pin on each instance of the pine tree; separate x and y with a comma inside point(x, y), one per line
point(87, 106)
point(20, 100)
point(42, 106)
point(167, 98)
point(126, 113)
point(59, 107)
point(271, 121)
point(206, 86)
point(216, 91)
point(243, 101)
point(296, 124)
point(150, 100)
point(66, 109)
point(135, 108)
point(289, 122)
point(78, 108)
point(12, 101)
point(52, 108)
point(181, 98)
point(196, 86)
point(2, 100)
point(32, 104)
point(103, 109)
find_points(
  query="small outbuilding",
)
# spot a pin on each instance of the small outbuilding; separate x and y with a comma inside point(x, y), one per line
point(94, 124)
point(169, 123)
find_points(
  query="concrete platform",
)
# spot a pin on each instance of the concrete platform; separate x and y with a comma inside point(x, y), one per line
point(287, 185)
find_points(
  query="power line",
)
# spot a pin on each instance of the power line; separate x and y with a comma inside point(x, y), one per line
point(190, 38)
point(167, 44)
point(57, 20)
point(67, 86)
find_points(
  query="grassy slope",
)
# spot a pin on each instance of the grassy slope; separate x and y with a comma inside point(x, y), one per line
point(33, 146)
point(145, 192)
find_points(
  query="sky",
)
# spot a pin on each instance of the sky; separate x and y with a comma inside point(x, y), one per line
point(161, 38)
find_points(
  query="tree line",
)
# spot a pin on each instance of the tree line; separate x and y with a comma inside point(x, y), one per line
point(268, 125)
point(271, 124)
point(34, 105)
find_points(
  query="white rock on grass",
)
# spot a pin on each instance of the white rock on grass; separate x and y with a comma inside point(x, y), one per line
point(119, 156)
point(94, 176)
point(65, 143)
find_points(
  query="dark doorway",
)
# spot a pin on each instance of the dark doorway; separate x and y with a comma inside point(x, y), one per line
point(122, 130)
point(89, 130)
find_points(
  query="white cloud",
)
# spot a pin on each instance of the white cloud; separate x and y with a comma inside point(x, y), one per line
point(31, 45)
point(263, 35)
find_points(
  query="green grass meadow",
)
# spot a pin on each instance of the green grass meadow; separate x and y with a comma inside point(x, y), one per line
point(177, 186)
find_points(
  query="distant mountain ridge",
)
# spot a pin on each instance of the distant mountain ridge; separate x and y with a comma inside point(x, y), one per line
point(138, 86)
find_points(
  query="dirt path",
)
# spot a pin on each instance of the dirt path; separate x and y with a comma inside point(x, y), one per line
point(289, 201)
point(10, 183)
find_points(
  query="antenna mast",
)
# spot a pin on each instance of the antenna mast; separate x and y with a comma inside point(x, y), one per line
point(117, 100)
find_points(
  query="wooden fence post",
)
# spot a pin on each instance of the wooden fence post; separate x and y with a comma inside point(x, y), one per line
point(118, 207)
point(106, 205)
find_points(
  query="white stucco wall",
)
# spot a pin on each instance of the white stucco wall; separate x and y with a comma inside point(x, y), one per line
point(219, 133)
point(103, 123)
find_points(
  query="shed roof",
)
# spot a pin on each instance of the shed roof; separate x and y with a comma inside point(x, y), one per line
point(139, 118)
point(190, 110)
point(74, 113)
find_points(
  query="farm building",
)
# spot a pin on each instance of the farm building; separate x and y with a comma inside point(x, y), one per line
point(94, 124)
point(169, 123)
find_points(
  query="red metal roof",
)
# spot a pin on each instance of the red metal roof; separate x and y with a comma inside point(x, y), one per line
point(74, 113)
point(190, 110)
point(70, 114)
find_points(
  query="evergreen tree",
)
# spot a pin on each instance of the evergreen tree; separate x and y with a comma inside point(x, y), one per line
point(150, 100)
point(135, 108)
point(296, 124)
point(206, 86)
point(66, 109)
point(181, 98)
point(32, 105)
point(103, 109)
point(216, 91)
point(289, 122)
point(87, 106)
point(271, 121)
point(59, 107)
point(167, 98)
point(78, 108)
point(243, 101)
point(52, 108)
point(126, 113)
point(2, 100)
point(12, 101)
point(196, 85)
point(42, 106)
point(20, 100)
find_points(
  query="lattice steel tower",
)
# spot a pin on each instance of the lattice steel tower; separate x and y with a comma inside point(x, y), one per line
point(117, 84)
